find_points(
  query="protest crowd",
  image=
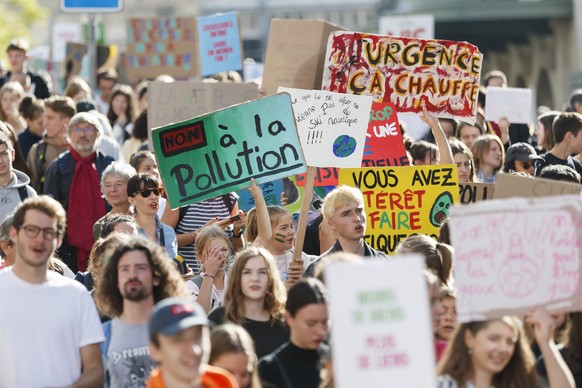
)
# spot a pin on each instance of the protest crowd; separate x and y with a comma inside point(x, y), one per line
point(125, 266)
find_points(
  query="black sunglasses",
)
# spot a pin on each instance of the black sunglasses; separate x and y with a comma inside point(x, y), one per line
point(147, 192)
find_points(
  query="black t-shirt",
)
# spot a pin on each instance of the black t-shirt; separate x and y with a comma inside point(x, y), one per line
point(267, 336)
point(550, 160)
point(291, 366)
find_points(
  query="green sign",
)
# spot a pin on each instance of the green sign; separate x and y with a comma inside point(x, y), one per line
point(220, 152)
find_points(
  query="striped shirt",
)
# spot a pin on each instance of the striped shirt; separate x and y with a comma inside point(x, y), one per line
point(196, 216)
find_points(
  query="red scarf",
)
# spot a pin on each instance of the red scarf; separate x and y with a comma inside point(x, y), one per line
point(85, 206)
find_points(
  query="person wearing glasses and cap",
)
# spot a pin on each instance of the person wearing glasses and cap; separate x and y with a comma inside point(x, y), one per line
point(180, 343)
point(74, 179)
point(521, 157)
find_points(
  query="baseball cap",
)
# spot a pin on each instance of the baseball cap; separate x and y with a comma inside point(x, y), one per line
point(172, 315)
point(85, 106)
point(523, 152)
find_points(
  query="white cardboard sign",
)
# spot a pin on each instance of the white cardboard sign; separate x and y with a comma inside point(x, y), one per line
point(381, 330)
point(332, 126)
point(515, 254)
point(511, 103)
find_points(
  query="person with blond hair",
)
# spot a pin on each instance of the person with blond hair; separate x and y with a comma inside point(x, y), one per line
point(343, 210)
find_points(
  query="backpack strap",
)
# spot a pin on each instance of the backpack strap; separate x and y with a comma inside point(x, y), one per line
point(104, 349)
point(227, 199)
point(23, 193)
point(40, 164)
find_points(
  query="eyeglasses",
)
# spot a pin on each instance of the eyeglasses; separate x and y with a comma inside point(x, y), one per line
point(146, 193)
point(528, 165)
point(32, 231)
point(85, 130)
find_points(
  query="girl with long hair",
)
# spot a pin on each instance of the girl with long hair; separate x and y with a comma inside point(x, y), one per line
point(489, 157)
point(495, 353)
point(255, 299)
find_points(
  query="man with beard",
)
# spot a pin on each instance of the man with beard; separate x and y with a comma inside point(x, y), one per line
point(138, 275)
point(48, 321)
point(73, 179)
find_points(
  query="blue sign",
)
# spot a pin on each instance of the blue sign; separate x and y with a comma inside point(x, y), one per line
point(271, 192)
point(91, 5)
point(220, 43)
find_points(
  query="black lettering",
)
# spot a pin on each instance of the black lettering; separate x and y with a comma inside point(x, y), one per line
point(183, 175)
point(447, 176)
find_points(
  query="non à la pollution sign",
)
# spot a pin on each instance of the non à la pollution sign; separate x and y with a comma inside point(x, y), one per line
point(220, 152)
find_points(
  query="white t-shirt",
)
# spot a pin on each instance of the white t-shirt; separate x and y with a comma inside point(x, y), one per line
point(216, 297)
point(42, 328)
point(284, 260)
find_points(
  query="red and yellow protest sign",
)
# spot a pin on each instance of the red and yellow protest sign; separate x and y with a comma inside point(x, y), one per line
point(444, 75)
point(402, 201)
point(384, 146)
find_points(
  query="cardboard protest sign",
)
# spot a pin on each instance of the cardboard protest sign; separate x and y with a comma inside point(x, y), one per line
point(271, 192)
point(181, 100)
point(167, 45)
point(221, 151)
point(514, 254)
point(384, 145)
point(295, 53)
point(410, 26)
point(74, 53)
point(476, 191)
point(401, 201)
point(219, 39)
point(508, 185)
point(512, 103)
point(332, 127)
point(381, 324)
point(443, 75)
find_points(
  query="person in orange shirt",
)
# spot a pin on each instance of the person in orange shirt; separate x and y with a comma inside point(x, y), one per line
point(180, 343)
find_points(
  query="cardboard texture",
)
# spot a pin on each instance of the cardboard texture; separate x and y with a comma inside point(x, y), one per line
point(474, 192)
point(515, 254)
point(295, 54)
point(508, 185)
point(74, 53)
point(181, 100)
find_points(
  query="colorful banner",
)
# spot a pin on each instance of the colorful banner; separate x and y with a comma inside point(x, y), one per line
point(332, 126)
point(409, 72)
point(381, 324)
point(402, 201)
point(515, 254)
point(384, 146)
point(165, 45)
point(219, 39)
point(324, 176)
point(271, 192)
point(221, 151)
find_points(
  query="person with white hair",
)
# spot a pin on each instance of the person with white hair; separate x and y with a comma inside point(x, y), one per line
point(73, 179)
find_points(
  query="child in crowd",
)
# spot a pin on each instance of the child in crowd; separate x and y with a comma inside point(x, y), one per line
point(232, 349)
point(448, 322)
point(463, 158)
point(180, 343)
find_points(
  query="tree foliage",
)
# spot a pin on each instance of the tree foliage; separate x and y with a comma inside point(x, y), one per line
point(16, 20)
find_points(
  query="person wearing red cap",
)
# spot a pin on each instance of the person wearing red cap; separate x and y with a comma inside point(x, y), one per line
point(180, 343)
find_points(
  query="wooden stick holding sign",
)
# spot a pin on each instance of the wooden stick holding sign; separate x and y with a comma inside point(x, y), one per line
point(303, 213)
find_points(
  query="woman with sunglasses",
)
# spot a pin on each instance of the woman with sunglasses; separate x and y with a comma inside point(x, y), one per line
point(521, 157)
point(143, 192)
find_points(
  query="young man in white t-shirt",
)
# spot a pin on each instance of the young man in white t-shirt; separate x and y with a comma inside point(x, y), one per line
point(49, 331)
